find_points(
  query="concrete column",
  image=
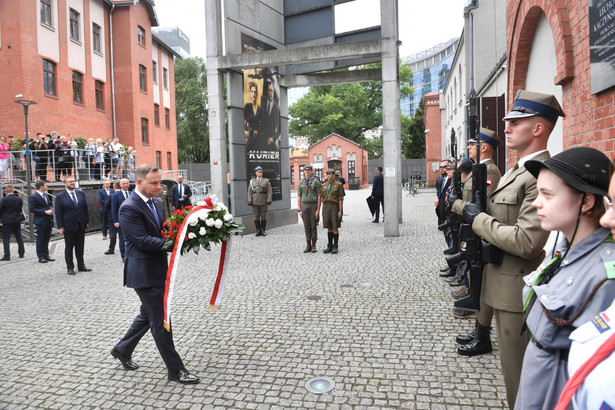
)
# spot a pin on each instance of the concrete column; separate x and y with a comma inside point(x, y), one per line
point(391, 118)
point(215, 101)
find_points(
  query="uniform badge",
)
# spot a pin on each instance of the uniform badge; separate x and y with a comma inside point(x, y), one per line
point(569, 281)
point(489, 183)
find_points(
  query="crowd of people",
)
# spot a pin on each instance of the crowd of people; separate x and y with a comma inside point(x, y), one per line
point(59, 156)
point(548, 297)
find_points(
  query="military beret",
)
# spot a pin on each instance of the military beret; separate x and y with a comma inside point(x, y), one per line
point(330, 171)
point(529, 104)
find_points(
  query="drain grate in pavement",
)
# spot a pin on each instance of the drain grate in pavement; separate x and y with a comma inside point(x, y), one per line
point(366, 283)
point(314, 297)
point(347, 285)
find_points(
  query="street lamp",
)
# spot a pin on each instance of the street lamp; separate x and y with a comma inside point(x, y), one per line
point(28, 155)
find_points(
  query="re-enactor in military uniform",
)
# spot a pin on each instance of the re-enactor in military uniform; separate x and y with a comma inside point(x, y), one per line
point(308, 204)
point(479, 340)
point(333, 200)
point(576, 280)
point(259, 198)
point(511, 224)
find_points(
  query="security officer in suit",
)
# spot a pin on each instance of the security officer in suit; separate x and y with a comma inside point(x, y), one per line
point(11, 213)
point(40, 206)
point(104, 194)
point(471, 344)
point(259, 198)
point(180, 194)
point(116, 201)
point(511, 225)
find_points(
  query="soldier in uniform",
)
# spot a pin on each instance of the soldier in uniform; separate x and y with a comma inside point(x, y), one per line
point(308, 203)
point(572, 284)
point(479, 340)
point(511, 224)
point(259, 197)
point(333, 200)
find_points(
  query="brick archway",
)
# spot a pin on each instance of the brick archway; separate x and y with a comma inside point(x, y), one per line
point(520, 36)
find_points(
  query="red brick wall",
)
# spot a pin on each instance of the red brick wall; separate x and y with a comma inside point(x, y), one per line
point(433, 138)
point(589, 118)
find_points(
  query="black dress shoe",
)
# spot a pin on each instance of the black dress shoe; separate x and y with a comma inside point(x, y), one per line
point(126, 361)
point(48, 259)
point(183, 376)
point(449, 273)
point(69, 271)
point(42, 260)
point(5, 258)
point(21, 256)
point(84, 269)
point(449, 251)
point(109, 252)
point(475, 347)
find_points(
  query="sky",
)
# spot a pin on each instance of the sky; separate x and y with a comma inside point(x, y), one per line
point(422, 23)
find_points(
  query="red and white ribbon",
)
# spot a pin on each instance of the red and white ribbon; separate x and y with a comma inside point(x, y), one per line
point(195, 213)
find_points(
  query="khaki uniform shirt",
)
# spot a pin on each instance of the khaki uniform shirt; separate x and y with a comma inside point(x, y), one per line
point(259, 192)
point(493, 178)
point(311, 195)
point(335, 194)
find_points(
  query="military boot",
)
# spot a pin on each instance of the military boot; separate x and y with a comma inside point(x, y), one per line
point(308, 248)
point(313, 245)
point(258, 227)
point(480, 345)
point(467, 338)
point(263, 226)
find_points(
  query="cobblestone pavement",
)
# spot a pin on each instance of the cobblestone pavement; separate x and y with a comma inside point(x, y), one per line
point(286, 317)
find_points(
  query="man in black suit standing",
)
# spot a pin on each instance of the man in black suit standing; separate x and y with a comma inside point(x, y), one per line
point(11, 213)
point(72, 218)
point(116, 201)
point(145, 269)
point(103, 197)
point(180, 194)
point(40, 206)
point(109, 215)
point(378, 193)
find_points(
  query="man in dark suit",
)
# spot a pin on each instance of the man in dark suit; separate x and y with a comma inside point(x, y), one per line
point(116, 201)
point(145, 269)
point(40, 206)
point(103, 197)
point(442, 202)
point(11, 213)
point(378, 193)
point(110, 224)
point(442, 178)
point(180, 194)
point(73, 218)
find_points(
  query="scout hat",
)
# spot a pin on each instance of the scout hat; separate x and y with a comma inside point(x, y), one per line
point(583, 168)
point(465, 166)
point(488, 136)
point(330, 171)
point(259, 168)
point(308, 166)
point(529, 104)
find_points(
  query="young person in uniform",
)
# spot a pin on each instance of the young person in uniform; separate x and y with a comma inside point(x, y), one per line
point(260, 194)
point(571, 285)
point(308, 203)
point(332, 200)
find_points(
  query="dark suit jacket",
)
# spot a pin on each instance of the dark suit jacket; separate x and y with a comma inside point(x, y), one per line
point(11, 209)
point(109, 201)
point(441, 209)
point(103, 198)
point(38, 206)
point(378, 186)
point(439, 183)
point(69, 216)
point(145, 262)
point(116, 201)
point(175, 195)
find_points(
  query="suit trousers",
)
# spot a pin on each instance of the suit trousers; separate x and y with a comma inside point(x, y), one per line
point(112, 235)
point(104, 217)
point(151, 318)
point(512, 349)
point(43, 235)
point(15, 229)
point(379, 202)
point(310, 223)
point(74, 240)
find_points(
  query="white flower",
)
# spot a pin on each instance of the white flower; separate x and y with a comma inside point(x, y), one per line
point(200, 203)
point(228, 217)
point(210, 222)
point(202, 231)
point(220, 206)
point(219, 224)
point(192, 235)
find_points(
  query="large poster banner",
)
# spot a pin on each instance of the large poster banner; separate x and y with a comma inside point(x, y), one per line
point(602, 44)
point(261, 97)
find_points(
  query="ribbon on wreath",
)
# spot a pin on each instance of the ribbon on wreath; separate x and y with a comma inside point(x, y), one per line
point(216, 297)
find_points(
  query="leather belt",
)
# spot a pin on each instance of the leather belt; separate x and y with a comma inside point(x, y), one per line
point(563, 352)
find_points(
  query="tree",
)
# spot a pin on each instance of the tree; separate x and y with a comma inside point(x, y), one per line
point(413, 133)
point(347, 109)
point(191, 110)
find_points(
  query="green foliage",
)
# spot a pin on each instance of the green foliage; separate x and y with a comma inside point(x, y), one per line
point(191, 110)
point(413, 133)
point(81, 142)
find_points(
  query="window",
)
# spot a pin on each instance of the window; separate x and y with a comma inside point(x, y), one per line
point(155, 72)
point(351, 169)
point(165, 78)
point(96, 38)
point(142, 78)
point(74, 25)
point(156, 115)
point(144, 131)
point(169, 163)
point(158, 160)
point(77, 87)
point(141, 35)
point(100, 95)
point(49, 77)
point(301, 174)
point(46, 12)
point(167, 119)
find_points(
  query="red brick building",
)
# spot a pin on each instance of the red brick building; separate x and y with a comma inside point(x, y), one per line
point(94, 69)
point(433, 136)
point(336, 152)
point(541, 34)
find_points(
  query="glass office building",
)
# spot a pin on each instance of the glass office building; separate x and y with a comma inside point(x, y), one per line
point(430, 70)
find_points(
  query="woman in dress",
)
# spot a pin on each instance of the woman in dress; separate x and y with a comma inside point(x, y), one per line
point(5, 149)
point(571, 284)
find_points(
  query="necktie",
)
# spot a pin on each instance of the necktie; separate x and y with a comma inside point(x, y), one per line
point(181, 192)
point(45, 198)
point(151, 206)
point(125, 194)
point(74, 198)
